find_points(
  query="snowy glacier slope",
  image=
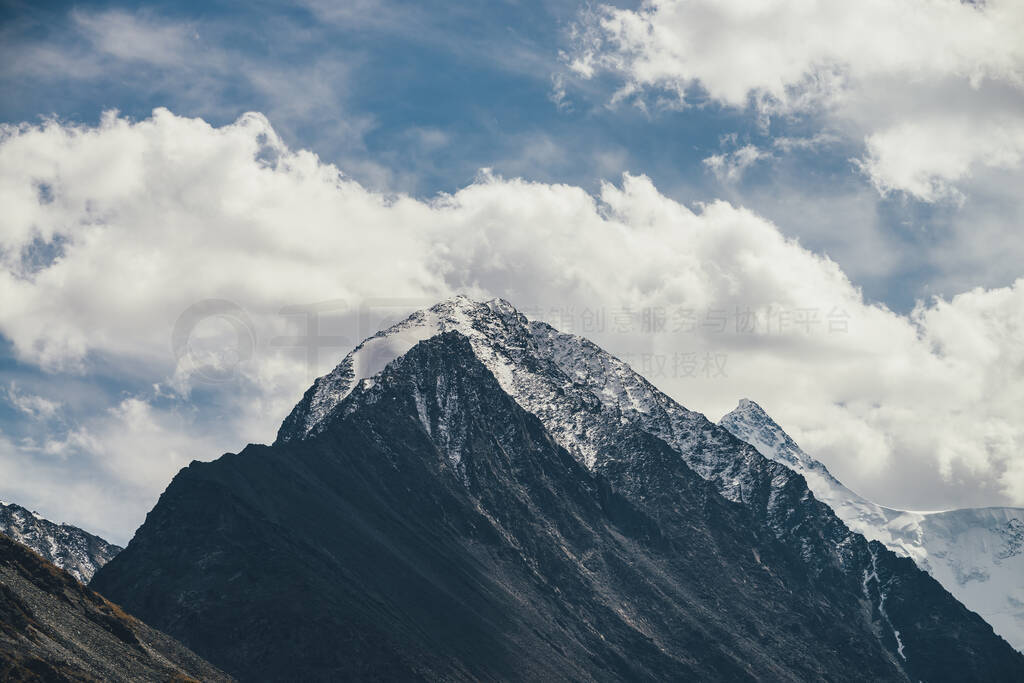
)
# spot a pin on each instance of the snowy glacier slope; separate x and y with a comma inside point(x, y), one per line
point(977, 554)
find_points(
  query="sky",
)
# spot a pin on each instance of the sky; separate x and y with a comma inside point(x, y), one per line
point(815, 205)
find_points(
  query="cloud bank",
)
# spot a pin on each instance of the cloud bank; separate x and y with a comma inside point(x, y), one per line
point(934, 87)
point(112, 233)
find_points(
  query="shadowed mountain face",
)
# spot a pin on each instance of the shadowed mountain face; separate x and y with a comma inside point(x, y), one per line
point(73, 550)
point(54, 629)
point(977, 554)
point(473, 511)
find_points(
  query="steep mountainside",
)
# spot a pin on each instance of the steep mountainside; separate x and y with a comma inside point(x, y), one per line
point(976, 554)
point(54, 629)
point(474, 496)
point(77, 552)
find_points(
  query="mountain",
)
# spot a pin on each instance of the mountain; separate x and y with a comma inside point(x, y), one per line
point(977, 554)
point(472, 495)
point(52, 628)
point(73, 550)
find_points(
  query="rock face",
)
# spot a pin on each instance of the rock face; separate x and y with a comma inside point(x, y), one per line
point(73, 550)
point(471, 495)
point(54, 629)
point(977, 554)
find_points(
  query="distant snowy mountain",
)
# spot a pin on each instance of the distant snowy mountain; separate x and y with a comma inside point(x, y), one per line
point(472, 495)
point(977, 554)
point(76, 551)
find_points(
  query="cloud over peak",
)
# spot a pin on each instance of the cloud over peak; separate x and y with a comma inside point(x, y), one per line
point(147, 218)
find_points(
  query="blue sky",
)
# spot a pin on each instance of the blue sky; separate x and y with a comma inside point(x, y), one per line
point(835, 147)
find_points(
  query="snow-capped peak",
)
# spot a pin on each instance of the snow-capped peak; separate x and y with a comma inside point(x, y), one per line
point(977, 554)
point(585, 398)
point(751, 423)
point(563, 379)
point(369, 359)
point(66, 546)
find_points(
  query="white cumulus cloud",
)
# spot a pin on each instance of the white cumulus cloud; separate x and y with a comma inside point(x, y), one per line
point(30, 404)
point(868, 66)
point(927, 158)
point(731, 165)
point(144, 223)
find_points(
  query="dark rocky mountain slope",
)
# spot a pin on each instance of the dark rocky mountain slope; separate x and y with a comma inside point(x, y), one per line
point(54, 629)
point(503, 502)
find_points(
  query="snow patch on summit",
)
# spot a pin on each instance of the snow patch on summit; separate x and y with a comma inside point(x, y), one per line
point(369, 359)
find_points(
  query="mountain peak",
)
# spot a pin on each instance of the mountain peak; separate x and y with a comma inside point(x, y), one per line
point(559, 377)
point(464, 304)
point(749, 422)
point(750, 408)
point(467, 438)
point(70, 548)
point(483, 322)
point(976, 554)
point(749, 404)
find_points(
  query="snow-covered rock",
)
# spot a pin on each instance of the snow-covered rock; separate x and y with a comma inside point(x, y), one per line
point(76, 551)
point(563, 379)
point(977, 554)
